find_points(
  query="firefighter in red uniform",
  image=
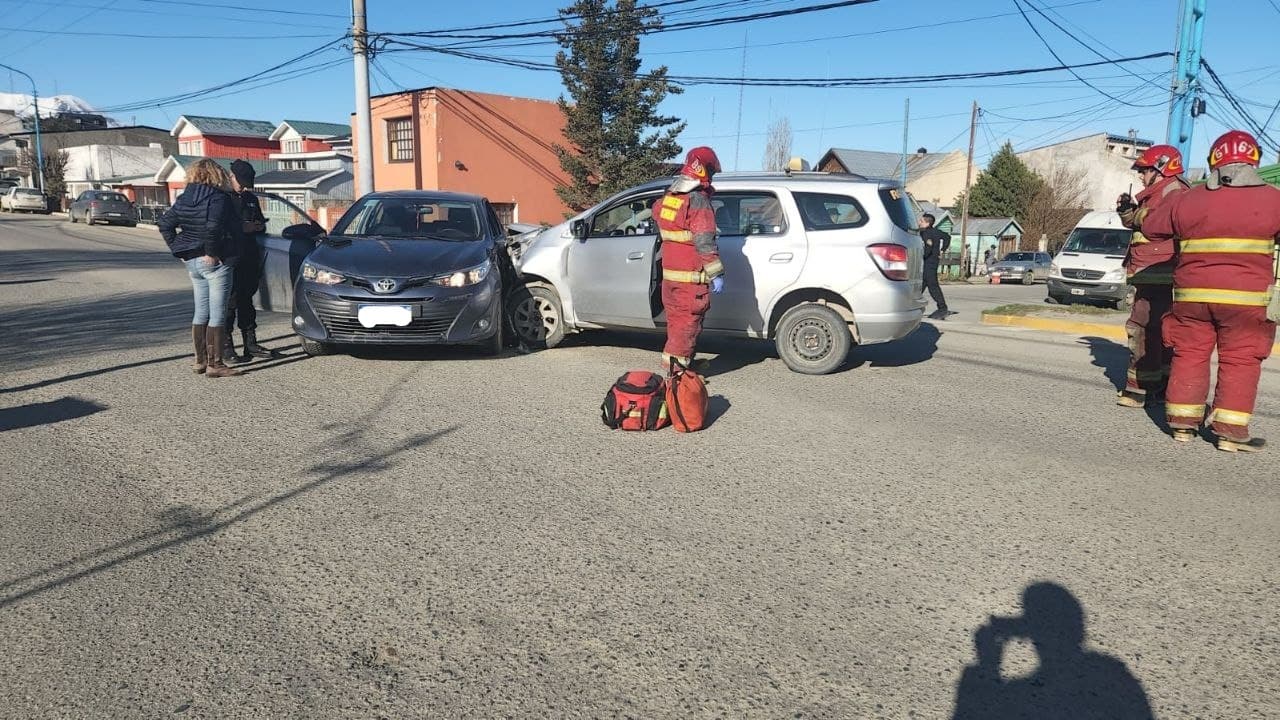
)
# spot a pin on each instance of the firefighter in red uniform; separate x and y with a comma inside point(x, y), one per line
point(1222, 284)
point(691, 269)
point(1149, 266)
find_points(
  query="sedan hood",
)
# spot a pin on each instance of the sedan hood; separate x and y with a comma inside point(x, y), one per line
point(399, 257)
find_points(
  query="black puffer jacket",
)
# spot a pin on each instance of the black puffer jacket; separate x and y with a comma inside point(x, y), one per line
point(202, 222)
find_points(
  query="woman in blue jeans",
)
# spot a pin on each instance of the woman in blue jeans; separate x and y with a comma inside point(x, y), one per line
point(201, 230)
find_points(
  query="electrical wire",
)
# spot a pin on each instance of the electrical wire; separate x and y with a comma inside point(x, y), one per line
point(1048, 46)
point(1252, 124)
point(259, 8)
point(1086, 45)
point(152, 36)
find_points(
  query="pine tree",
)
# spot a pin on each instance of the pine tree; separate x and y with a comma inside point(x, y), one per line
point(1005, 189)
point(615, 136)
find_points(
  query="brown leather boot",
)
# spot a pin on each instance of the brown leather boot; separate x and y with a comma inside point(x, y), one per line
point(216, 369)
point(199, 339)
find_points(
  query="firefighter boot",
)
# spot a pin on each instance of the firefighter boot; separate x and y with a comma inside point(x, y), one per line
point(216, 341)
point(1249, 446)
point(1183, 435)
point(1132, 399)
point(199, 339)
point(251, 347)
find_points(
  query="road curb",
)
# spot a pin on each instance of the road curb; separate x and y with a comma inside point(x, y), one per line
point(1068, 327)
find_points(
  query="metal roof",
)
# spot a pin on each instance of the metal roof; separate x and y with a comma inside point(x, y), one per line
point(234, 127)
point(309, 128)
point(873, 163)
point(993, 227)
point(296, 178)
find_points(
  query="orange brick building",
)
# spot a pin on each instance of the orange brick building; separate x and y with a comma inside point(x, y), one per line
point(462, 141)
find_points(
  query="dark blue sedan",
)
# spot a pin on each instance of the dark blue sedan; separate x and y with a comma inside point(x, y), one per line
point(405, 268)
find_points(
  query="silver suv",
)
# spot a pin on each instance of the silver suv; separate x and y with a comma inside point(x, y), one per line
point(814, 261)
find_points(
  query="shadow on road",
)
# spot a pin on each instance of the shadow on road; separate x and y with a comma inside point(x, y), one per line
point(25, 282)
point(1111, 356)
point(920, 346)
point(184, 524)
point(19, 266)
point(45, 413)
point(115, 368)
point(1069, 682)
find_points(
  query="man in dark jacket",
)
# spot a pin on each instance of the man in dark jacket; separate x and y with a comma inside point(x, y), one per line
point(248, 272)
point(936, 242)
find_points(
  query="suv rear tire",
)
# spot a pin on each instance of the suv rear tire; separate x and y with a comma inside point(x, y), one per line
point(537, 316)
point(314, 348)
point(813, 339)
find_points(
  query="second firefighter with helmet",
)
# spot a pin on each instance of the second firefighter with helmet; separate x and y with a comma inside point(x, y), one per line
point(1149, 268)
point(691, 267)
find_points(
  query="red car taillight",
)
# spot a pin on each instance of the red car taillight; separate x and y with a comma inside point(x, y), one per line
point(891, 259)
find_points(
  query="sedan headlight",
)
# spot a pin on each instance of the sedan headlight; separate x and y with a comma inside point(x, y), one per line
point(463, 278)
point(320, 275)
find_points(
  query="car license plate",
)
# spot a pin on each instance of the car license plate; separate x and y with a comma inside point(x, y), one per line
point(113, 214)
point(374, 315)
point(1077, 291)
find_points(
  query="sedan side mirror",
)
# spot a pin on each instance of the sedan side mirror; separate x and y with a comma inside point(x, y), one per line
point(579, 229)
point(302, 231)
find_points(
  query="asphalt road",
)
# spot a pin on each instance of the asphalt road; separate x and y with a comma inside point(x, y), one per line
point(433, 534)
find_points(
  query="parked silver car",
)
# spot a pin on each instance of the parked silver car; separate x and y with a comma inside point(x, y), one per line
point(815, 262)
point(23, 199)
point(1023, 267)
point(105, 206)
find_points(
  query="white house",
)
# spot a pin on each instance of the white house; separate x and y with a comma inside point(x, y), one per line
point(96, 166)
point(1104, 161)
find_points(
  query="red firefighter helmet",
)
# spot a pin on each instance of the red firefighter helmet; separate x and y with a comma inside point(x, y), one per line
point(1164, 159)
point(1235, 146)
point(701, 163)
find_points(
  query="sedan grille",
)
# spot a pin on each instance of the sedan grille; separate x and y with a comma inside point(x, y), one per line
point(431, 321)
point(1077, 274)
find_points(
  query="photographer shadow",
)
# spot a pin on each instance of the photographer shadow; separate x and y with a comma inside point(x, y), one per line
point(1069, 682)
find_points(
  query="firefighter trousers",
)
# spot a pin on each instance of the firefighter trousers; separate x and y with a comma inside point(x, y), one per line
point(1243, 337)
point(686, 304)
point(1148, 357)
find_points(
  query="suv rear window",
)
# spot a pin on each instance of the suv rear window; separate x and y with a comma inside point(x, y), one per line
point(898, 204)
point(112, 197)
point(821, 211)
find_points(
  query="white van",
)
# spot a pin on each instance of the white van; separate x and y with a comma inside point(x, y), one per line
point(1091, 264)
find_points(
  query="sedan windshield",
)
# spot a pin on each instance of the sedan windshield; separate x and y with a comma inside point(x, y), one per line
point(1098, 241)
point(401, 217)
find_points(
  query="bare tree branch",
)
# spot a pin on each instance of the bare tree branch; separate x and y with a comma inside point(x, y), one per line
point(777, 150)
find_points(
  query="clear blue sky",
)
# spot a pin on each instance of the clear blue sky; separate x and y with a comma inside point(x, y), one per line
point(113, 71)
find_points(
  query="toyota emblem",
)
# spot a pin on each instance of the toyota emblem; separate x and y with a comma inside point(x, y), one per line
point(385, 285)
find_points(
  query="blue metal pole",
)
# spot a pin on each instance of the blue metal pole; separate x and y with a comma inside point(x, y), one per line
point(1186, 84)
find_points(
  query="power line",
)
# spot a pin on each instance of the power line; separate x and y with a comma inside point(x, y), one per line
point(152, 36)
point(1086, 45)
point(1057, 57)
point(1250, 122)
point(257, 9)
point(277, 22)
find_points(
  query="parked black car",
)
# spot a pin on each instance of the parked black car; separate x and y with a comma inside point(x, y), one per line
point(405, 268)
point(105, 206)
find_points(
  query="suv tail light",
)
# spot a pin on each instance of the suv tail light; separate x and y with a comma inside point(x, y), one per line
point(890, 258)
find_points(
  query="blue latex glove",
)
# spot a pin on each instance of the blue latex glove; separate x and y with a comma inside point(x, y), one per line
point(717, 284)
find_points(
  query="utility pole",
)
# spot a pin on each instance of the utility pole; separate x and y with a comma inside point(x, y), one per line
point(1185, 104)
point(35, 106)
point(364, 115)
point(906, 122)
point(968, 185)
point(737, 144)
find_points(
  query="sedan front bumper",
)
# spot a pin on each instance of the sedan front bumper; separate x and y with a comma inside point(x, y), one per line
point(331, 314)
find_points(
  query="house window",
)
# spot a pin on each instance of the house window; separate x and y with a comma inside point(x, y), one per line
point(191, 147)
point(400, 139)
point(293, 146)
point(506, 212)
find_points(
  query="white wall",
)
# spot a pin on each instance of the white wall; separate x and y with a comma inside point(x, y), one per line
point(1105, 166)
point(91, 163)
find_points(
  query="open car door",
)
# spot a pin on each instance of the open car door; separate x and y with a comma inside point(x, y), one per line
point(291, 235)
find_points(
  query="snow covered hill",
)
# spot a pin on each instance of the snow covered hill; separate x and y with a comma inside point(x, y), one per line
point(49, 106)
